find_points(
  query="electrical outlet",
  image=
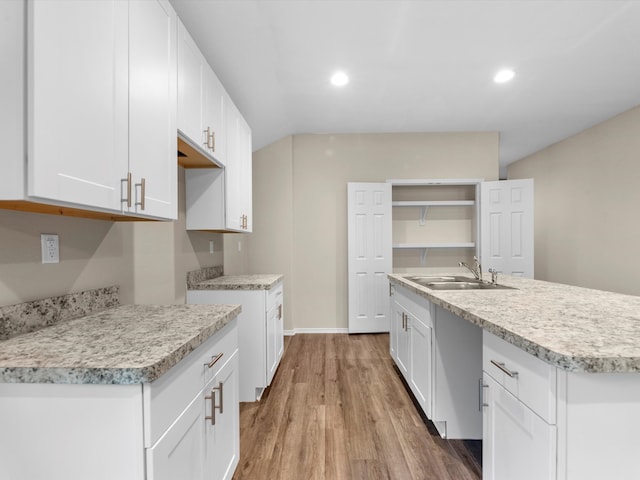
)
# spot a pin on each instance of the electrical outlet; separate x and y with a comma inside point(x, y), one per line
point(211, 247)
point(50, 248)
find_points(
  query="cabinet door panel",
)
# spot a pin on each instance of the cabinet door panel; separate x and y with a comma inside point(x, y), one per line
point(222, 440)
point(213, 117)
point(190, 79)
point(421, 354)
point(179, 453)
point(516, 442)
point(152, 104)
point(77, 101)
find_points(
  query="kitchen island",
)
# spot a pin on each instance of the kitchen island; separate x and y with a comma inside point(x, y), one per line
point(558, 365)
point(129, 392)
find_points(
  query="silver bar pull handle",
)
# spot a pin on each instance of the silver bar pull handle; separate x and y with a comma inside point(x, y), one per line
point(501, 366)
point(481, 387)
point(214, 360)
point(220, 388)
point(212, 397)
point(142, 193)
point(127, 198)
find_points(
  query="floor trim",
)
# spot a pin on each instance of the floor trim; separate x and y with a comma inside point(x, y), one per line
point(291, 333)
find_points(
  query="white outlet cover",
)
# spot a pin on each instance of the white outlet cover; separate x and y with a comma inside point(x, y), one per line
point(50, 248)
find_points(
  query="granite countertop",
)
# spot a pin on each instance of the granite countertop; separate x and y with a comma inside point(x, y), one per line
point(577, 329)
point(122, 345)
point(238, 282)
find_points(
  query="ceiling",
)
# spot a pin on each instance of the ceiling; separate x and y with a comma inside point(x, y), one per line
point(423, 65)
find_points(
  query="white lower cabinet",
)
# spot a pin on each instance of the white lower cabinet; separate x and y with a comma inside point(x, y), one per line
point(542, 422)
point(179, 453)
point(411, 335)
point(439, 355)
point(222, 430)
point(162, 430)
point(260, 333)
point(517, 443)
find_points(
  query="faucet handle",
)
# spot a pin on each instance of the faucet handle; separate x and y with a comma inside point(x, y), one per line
point(494, 276)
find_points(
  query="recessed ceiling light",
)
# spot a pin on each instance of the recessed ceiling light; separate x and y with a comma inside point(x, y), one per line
point(504, 75)
point(339, 79)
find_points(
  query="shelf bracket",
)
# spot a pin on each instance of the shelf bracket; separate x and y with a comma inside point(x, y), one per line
point(423, 256)
point(423, 215)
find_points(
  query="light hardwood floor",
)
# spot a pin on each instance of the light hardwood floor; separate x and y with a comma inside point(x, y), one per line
point(337, 409)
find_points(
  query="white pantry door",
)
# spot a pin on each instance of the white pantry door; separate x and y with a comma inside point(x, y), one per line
point(507, 226)
point(370, 256)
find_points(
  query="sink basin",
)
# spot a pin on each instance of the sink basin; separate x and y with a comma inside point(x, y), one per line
point(473, 285)
point(453, 283)
point(424, 279)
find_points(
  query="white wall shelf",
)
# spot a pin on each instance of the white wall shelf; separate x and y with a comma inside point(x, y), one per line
point(452, 225)
point(424, 247)
point(425, 204)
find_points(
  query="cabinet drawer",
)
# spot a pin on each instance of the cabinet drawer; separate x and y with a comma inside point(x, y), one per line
point(274, 296)
point(528, 378)
point(417, 306)
point(168, 396)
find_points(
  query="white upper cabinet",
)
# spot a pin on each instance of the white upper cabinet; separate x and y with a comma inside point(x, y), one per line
point(77, 102)
point(100, 108)
point(220, 199)
point(201, 120)
point(238, 172)
point(152, 108)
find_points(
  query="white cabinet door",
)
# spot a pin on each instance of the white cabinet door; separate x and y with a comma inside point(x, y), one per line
point(213, 115)
point(222, 431)
point(507, 226)
point(179, 452)
point(272, 341)
point(152, 107)
point(369, 256)
point(238, 169)
point(420, 366)
point(516, 442)
point(402, 339)
point(190, 82)
point(77, 101)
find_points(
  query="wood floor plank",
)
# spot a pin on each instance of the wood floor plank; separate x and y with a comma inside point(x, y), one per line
point(338, 409)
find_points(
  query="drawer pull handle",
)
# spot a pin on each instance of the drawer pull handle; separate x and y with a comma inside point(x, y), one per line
point(212, 397)
point(481, 402)
point(214, 360)
point(280, 312)
point(501, 366)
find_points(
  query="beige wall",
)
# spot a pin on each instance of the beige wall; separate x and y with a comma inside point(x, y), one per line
point(587, 193)
point(148, 260)
point(300, 200)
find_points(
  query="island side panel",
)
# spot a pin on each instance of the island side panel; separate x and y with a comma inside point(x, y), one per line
point(71, 432)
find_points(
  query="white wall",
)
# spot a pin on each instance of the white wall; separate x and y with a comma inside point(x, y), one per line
point(148, 260)
point(300, 205)
point(587, 193)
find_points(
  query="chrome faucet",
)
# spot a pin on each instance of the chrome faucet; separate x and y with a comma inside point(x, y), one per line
point(476, 270)
point(494, 276)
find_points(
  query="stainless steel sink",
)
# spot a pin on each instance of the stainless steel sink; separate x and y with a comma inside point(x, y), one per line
point(454, 283)
point(473, 285)
point(424, 279)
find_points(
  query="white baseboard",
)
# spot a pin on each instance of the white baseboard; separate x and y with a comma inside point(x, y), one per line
point(295, 331)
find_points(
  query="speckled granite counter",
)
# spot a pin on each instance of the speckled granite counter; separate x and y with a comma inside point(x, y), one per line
point(577, 329)
point(121, 345)
point(239, 282)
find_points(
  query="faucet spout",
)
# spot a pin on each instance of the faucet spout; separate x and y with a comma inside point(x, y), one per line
point(476, 269)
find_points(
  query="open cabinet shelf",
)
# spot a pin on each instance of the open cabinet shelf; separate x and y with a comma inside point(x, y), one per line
point(434, 215)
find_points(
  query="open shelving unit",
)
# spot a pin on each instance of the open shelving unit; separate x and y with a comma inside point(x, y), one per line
point(434, 215)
